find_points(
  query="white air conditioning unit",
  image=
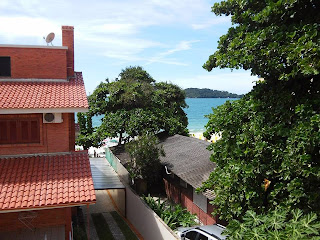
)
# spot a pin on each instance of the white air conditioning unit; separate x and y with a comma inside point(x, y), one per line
point(52, 118)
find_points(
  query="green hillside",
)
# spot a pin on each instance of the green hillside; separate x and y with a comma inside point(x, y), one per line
point(209, 93)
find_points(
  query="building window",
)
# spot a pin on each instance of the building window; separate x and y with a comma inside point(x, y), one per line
point(200, 200)
point(183, 183)
point(14, 131)
point(5, 67)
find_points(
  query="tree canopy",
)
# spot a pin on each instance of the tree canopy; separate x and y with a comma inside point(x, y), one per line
point(277, 39)
point(86, 137)
point(145, 159)
point(273, 136)
point(268, 155)
point(135, 103)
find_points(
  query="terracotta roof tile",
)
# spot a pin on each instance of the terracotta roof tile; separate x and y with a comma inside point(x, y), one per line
point(45, 181)
point(30, 95)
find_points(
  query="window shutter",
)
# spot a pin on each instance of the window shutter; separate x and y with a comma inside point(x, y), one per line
point(19, 131)
point(25, 129)
point(13, 131)
point(35, 131)
point(3, 131)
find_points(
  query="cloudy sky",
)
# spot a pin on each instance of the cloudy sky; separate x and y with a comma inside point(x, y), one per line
point(171, 39)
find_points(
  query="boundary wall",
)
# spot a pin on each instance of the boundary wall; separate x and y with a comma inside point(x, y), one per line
point(146, 221)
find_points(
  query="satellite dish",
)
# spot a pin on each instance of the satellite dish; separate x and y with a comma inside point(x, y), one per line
point(49, 38)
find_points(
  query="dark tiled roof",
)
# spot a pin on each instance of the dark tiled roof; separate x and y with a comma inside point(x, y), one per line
point(42, 94)
point(186, 157)
point(189, 159)
point(120, 153)
point(45, 181)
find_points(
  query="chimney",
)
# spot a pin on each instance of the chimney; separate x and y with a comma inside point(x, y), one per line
point(68, 41)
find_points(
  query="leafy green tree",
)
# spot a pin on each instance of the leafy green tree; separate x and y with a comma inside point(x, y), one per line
point(276, 39)
point(168, 102)
point(135, 104)
point(280, 224)
point(269, 152)
point(145, 158)
point(137, 74)
point(272, 136)
point(87, 137)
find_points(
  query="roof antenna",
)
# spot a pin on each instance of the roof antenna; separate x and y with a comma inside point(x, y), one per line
point(49, 38)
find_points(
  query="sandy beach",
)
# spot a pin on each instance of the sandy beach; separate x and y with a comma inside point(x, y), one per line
point(199, 135)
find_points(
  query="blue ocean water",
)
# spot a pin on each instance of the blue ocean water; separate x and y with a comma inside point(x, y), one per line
point(198, 108)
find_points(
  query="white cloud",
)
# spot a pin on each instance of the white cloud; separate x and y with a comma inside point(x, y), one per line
point(161, 57)
point(24, 27)
point(182, 46)
point(112, 28)
point(120, 32)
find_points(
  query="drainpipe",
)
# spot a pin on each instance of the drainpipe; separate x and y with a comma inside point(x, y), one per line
point(167, 172)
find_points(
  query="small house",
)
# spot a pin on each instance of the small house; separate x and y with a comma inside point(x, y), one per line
point(186, 166)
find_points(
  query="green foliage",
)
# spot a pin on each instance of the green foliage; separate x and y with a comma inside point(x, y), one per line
point(268, 157)
point(156, 205)
point(137, 74)
point(173, 216)
point(208, 93)
point(276, 39)
point(271, 133)
point(135, 104)
point(145, 158)
point(87, 136)
point(279, 224)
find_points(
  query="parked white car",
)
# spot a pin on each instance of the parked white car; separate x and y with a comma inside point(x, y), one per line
point(208, 232)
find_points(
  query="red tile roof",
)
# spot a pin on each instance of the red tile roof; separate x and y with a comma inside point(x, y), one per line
point(43, 94)
point(45, 181)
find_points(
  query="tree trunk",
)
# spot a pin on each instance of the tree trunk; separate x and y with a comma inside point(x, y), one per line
point(120, 139)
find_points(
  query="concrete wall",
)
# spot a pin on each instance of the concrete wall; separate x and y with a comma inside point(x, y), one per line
point(146, 221)
point(148, 224)
point(54, 137)
point(119, 198)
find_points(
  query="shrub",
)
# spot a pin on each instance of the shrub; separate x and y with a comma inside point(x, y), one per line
point(278, 224)
point(174, 216)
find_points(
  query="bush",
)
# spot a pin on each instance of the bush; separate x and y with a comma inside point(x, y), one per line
point(278, 224)
point(173, 216)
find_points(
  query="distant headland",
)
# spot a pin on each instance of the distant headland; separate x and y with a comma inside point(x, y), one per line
point(209, 93)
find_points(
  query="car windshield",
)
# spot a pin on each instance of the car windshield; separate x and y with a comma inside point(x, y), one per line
point(191, 235)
